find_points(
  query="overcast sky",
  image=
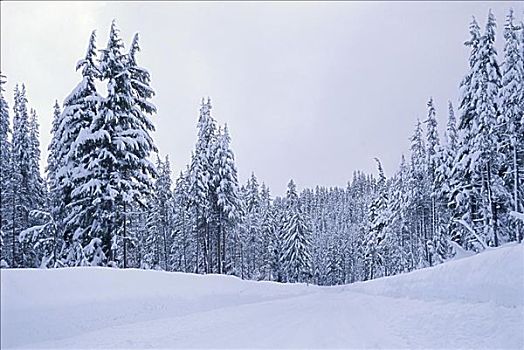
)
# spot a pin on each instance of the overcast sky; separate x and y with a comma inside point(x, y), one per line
point(310, 91)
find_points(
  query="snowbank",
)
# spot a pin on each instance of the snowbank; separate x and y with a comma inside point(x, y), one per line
point(494, 276)
point(475, 302)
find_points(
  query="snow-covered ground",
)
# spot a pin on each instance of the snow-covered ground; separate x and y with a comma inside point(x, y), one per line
point(475, 302)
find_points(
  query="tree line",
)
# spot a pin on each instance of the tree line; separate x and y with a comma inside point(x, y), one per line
point(104, 203)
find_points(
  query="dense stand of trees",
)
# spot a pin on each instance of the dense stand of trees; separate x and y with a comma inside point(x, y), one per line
point(104, 203)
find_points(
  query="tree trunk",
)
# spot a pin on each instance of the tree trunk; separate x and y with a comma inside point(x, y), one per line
point(14, 231)
point(55, 233)
point(433, 229)
point(241, 260)
point(206, 248)
point(184, 242)
point(492, 206)
point(518, 236)
point(125, 237)
point(425, 235)
point(223, 248)
point(197, 249)
point(165, 246)
point(219, 249)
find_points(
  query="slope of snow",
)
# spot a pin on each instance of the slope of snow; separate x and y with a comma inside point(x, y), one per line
point(474, 302)
point(495, 276)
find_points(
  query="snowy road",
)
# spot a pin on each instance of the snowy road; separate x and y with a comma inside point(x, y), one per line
point(470, 303)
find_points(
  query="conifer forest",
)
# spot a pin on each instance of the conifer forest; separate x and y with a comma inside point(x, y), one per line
point(106, 198)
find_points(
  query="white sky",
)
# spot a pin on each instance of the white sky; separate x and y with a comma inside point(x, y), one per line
point(310, 90)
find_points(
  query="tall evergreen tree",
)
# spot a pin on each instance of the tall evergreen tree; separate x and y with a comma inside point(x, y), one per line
point(486, 159)
point(251, 239)
point(53, 158)
point(419, 199)
point(228, 201)
point(512, 112)
point(296, 239)
point(36, 242)
point(118, 145)
point(464, 193)
point(378, 221)
point(22, 168)
point(183, 249)
point(447, 159)
point(444, 181)
point(200, 186)
point(277, 241)
point(37, 185)
point(6, 190)
point(69, 169)
point(451, 127)
point(267, 231)
point(160, 219)
point(436, 236)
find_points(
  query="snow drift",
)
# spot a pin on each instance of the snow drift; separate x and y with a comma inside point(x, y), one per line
point(475, 302)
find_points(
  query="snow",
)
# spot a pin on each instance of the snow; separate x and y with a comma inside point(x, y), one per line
point(517, 215)
point(474, 302)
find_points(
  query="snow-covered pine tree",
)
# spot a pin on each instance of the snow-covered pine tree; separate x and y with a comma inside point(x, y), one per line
point(444, 173)
point(37, 184)
point(511, 117)
point(419, 199)
point(362, 196)
point(40, 242)
point(165, 194)
point(267, 231)
point(137, 235)
point(432, 139)
point(183, 248)
point(134, 208)
point(153, 239)
point(296, 256)
point(139, 128)
point(486, 161)
point(336, 240)
point(406, 240)
point(334, 264)
point(467, 87)
point(463, 195)
point(396, 245)
point(200, 186)
point(251, 239)
point(378, 222)
point(196, 205)
point(160, 219)
point(52, 160)
point(237, 263)
point(6, 190)
point(118, 144)
point(432, 149)
point(437, 237)
point(276, 246)
point(69, 169)
point(451, 127)
point(54, 214)
point(22, 168)
point(320, 259)
point(39, 239)
point(228, 202)
point(480, 199)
